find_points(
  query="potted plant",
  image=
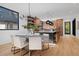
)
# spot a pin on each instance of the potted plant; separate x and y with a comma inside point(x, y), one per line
point(31, 27)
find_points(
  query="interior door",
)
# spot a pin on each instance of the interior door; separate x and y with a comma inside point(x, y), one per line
point(74, 27)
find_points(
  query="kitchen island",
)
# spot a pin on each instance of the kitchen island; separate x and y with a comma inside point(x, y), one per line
point(52, 34)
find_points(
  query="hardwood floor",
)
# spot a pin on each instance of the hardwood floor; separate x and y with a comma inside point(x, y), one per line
point(5, 50)
point(67, 46)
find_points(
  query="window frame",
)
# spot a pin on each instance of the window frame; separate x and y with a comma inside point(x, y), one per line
point(17, 18)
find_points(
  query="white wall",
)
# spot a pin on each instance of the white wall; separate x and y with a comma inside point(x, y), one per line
point(5, 34)
point(77, 30)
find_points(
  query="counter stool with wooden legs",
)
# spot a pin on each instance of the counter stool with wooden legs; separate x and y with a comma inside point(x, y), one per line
point(18, 44)
point(45, 43)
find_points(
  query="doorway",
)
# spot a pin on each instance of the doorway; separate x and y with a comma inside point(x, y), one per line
point(74, 27)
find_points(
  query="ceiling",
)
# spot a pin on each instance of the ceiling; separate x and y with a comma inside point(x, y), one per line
point(45, 9)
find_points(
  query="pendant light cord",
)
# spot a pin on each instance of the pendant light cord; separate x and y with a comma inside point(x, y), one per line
point(29, 9)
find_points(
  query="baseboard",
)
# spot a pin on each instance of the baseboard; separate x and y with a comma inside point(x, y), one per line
point(1, 43)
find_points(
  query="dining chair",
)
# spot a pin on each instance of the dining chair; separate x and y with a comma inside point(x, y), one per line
point(45, 41)
point(18, 43)
point(35, 43)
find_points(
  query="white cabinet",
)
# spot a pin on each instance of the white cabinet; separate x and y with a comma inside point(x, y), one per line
point(35, 43)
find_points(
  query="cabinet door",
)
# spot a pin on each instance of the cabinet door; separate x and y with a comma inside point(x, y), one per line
point(35, 43)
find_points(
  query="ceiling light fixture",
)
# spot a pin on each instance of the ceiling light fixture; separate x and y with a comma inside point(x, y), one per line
point(29, 10)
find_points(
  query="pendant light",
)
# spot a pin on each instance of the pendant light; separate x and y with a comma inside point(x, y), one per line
point(29, 10)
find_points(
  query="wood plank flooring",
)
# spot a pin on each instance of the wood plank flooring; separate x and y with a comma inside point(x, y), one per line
point(67, 46)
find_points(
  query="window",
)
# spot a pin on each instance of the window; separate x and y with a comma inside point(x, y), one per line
point(9, 19)
point(2, 26)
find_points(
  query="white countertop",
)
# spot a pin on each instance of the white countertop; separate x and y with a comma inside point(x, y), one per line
point(45, 31)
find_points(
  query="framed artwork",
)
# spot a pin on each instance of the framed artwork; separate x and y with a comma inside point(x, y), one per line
point(67, 28)
point(9, 19)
